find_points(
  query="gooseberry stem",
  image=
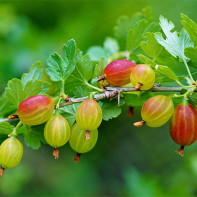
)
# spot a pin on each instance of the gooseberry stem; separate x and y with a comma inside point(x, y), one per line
point(93, 87)
point(14, 133)
point(188, 70)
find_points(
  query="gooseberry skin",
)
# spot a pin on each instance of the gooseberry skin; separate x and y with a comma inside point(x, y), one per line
point(117, 73)
point(142, 75)
point(57, 131)
point(77, 142)
point(183, 124)
point(157, 110)
point(89, 115)
point(11, 152)
point(35, 110)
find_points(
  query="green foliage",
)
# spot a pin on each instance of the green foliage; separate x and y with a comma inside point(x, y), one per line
point(77, 74)
point(173, 43)
point(59, 68)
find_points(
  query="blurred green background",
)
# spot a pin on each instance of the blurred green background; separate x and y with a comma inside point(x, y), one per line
point(126, 161)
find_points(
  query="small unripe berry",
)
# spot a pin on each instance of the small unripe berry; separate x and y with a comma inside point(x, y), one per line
point(142, 77)
point(35, 110)
point(183, 126)
point(89, 115)
point(77, 142)
point(156, 111)
point(57, 133)
point(117, 73)
point(11, 153)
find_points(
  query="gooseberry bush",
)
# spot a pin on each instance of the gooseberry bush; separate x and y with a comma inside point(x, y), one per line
point(148, 64)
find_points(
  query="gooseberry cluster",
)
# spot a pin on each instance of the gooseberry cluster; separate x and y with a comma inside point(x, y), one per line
point(83, 134)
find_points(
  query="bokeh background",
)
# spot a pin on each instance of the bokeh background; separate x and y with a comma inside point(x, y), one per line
point(126, 161)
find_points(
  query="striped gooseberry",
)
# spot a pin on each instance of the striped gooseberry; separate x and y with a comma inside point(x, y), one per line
point(57, 133)
point(11, 153)
point(142, 77)
point(77, 142)
point(35, 110)
point(89, 116)
point(183, 126)
point(117, 73)
point(156, 111)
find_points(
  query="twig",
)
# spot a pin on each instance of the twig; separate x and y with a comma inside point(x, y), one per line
point(110, 93)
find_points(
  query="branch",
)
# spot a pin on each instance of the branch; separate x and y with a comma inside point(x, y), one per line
point(111, 92)
point(153, 89)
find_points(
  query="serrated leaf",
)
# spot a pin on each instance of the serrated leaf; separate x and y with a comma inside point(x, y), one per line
point(80, 76)
point(56, 67)
point(100, 67)
point(33, 136)
point(36, 73)
point(165, 70)
point(110, 109)
point(173, 43)
point(151, 46)
point(69, 113)
point(59, 68)
point(111, 45)
point(14, 91)
point(5, 128)
point(71, 55)
point(136, 35)
point(190, 26)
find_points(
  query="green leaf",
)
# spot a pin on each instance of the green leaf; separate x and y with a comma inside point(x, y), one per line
point(6, 108)
point(137, 100)
point(14, 91)
point(100, 67)
point(190, 26)
point(173, 43)
point(32, 88)
point(110, 109)
point(111, 45)
point(5, 128)
point(146, 60)
point(60, 68)
point(36, 73)
point(96, 52)
point(56, 67)
point(33, 136)
point(191, 52)
point(151, 46)
point(136, 35)
point(80, 76)
point(165, 70)
point(69, 113)
point(71, 55)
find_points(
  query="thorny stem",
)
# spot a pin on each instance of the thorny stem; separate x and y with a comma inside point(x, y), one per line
point(111, 92)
